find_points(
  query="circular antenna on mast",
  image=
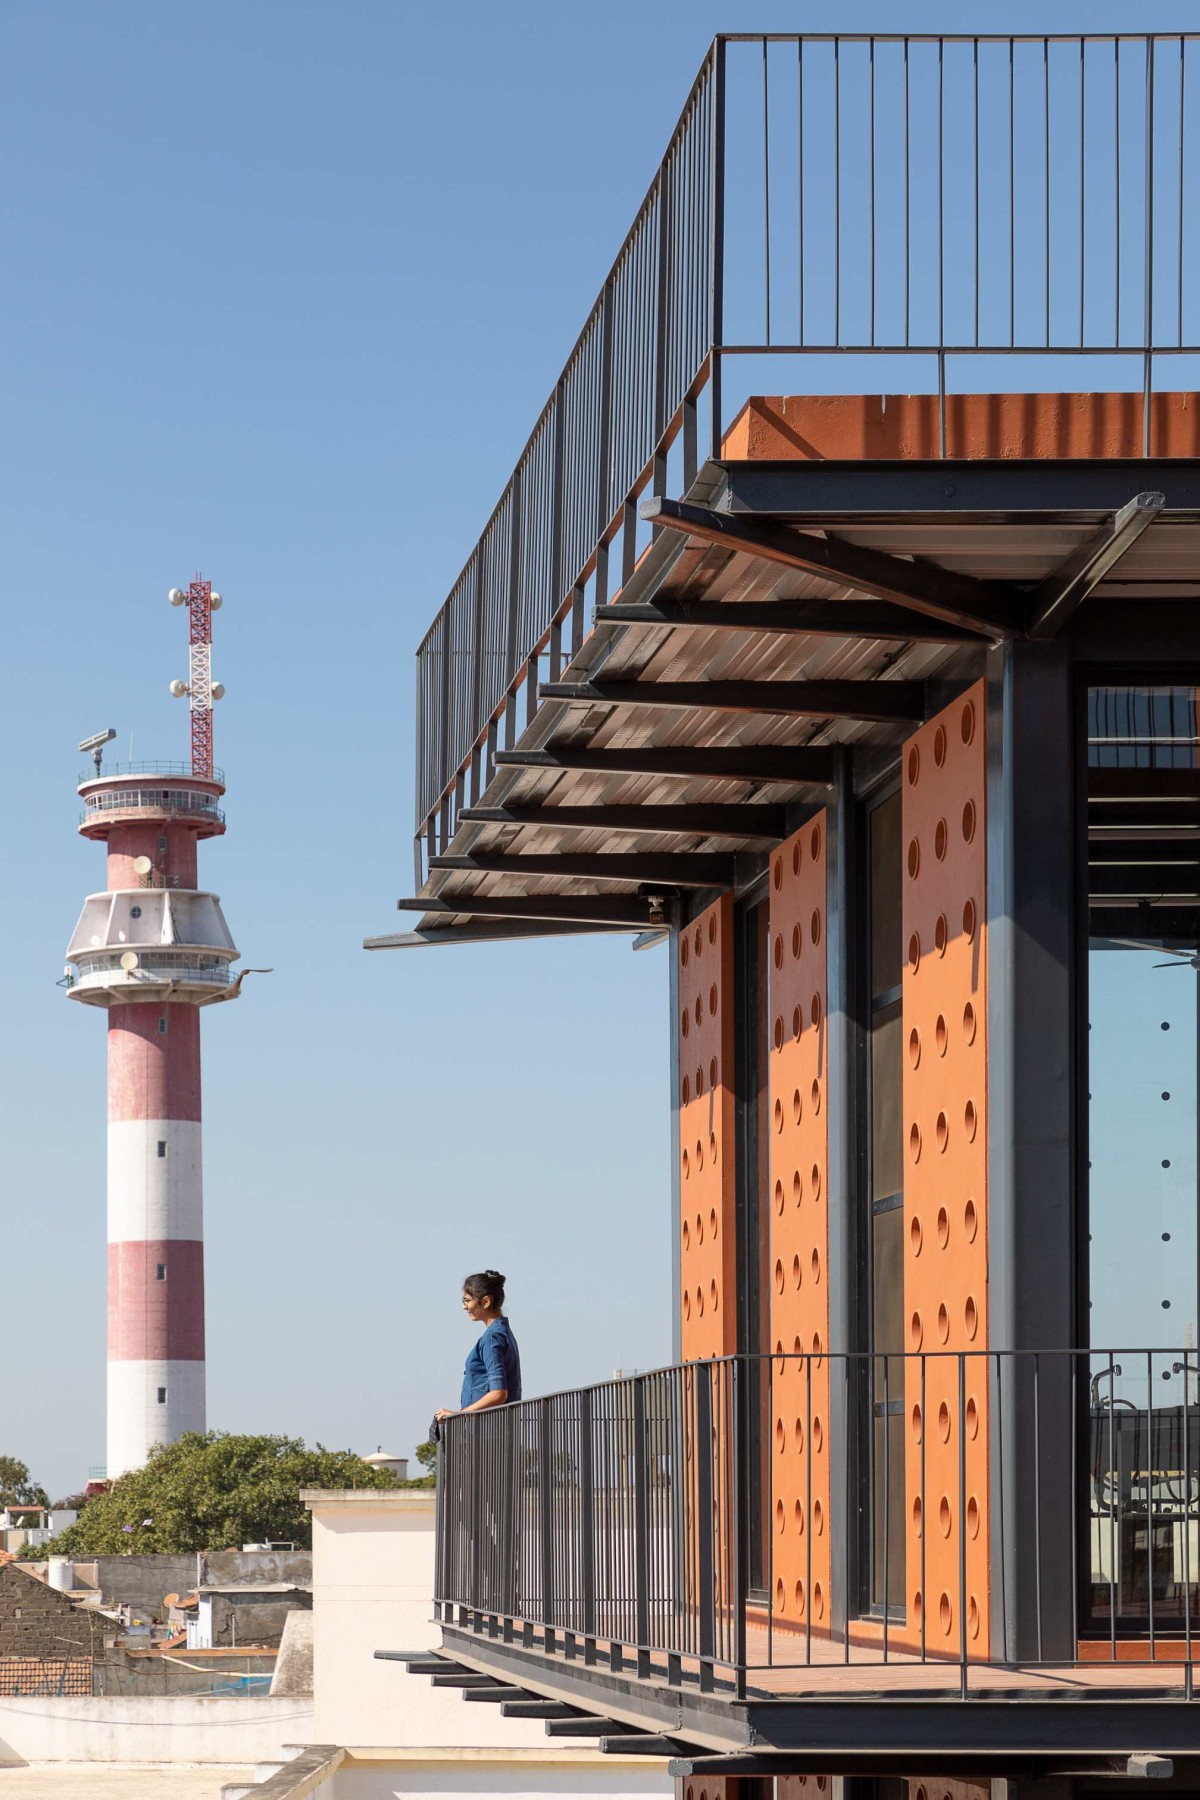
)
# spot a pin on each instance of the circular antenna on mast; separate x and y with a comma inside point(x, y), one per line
point(214, 600)
point(177, 596)
point(218, 690)
point(177, 688)
point(142, 865)
point(129, 960)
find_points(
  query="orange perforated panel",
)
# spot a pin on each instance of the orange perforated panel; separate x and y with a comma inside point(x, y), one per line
point(706, 1130)
point(937, 1787)
point(945, 1188)
point(799, 1229)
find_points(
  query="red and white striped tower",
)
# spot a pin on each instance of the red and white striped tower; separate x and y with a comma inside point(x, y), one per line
point(153, 949)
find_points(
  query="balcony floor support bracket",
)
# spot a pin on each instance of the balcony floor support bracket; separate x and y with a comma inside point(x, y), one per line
point(866, 702)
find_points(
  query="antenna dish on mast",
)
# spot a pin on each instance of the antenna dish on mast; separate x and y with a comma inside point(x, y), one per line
point(176, 596)
point(215, 601)
point(129, 960)
point(142, 865)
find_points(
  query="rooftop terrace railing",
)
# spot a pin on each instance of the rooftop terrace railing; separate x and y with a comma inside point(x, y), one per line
point(754, 1523)
point(929, 199)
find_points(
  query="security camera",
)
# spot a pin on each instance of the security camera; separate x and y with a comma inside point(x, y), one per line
point(101, 738)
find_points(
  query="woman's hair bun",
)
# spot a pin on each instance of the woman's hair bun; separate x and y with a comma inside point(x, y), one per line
point(494, 1275)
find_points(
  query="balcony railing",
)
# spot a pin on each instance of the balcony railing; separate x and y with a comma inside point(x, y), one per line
point(949, 201)
point(147, 768)
point(191, 802)
point(754, 1525)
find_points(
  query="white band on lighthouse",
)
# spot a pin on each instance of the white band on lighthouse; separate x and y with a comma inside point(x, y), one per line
point(151, 1402)
point(155, 1179)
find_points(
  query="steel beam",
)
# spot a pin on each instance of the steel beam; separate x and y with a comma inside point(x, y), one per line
point(701, 871)
point(753, 824)
point(1079, 491)
point(814, 618)
point(594, 909)
point(925, 586)
point(867, 702)
point(807, 766)
point(1151, 785)
point(1148, 882)
point(1063, 591)
point(482, 933)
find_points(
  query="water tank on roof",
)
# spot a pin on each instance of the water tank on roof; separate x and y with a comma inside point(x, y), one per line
point(62, 1574)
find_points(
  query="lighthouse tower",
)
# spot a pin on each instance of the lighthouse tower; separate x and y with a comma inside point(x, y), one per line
point(153, 949)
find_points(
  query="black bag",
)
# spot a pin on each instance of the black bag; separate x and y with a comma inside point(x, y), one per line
point(435, 1431)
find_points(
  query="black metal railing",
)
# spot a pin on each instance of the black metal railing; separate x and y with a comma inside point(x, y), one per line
point(1048, 1514)
point(929, 199)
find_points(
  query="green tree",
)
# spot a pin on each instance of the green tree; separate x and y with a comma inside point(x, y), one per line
point(16, 1487)
point(427, 1456)
point(214, 1491)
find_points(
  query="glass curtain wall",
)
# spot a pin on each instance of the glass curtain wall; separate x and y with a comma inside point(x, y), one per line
point(885, 1208)
point(1143, 1007)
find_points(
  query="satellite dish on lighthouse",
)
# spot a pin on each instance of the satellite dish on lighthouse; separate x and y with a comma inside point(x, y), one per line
point(142, 865)
point(129, 960)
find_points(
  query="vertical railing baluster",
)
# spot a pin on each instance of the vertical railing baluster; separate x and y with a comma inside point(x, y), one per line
point(716, 268)
point(641, 1531)
point(1148, 252)
point(702, 1453)
point(545, 1476)
point(962, 1522)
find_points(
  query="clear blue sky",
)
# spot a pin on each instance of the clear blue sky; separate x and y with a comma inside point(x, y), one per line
point(284, 288)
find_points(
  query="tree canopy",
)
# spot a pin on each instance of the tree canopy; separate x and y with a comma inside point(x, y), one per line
point(214, 1491)
point(16, 1488)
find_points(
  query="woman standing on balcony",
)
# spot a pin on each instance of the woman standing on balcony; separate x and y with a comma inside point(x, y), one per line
point(492, 1376)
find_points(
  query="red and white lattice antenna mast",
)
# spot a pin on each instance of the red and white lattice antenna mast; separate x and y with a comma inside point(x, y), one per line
point(200, 688)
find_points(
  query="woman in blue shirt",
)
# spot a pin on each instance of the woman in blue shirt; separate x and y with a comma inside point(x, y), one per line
point(492, 1376)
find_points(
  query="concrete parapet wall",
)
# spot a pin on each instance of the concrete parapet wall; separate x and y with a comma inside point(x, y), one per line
point(185, 1728)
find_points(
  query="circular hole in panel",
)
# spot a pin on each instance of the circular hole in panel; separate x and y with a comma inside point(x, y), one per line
point(818, 1518)
point(916, 1424)
point(941, 1035)
point(686, 1165)
point(797, 1346)
point(686, 1235)
point(941, 840)
point(712, 1222)
point(973, 1616)
point(798, 1517)
point(712, 1073)
point(796, 1271)
point(797, 941)
point(815, 926)
point(799, 1430)
point(797, 1107)
point(943, 1227)
point(799, 1596)
point(816, 1097)
point(712, 1295)
point(818, 1600)
point(777, 873)
point(942, 1132)
point(914, 858)
point(913, 769)
point(814, 1011)
point(779, 1115)
point(684, 1024)
point(814, 842)
point(699, 1156)
point(973, 1517)
point(815, 1265)
point(939, 746)
point(945, 1614)
point(712, 1146)
point(796, 857)
point(699, 1229)
point(712, 1001)
point(797, 1187)
point(780, 1516)
point(914, 952)
point(918, 1518)
point(916, 1331)
point(971, 1316)
point(797, 1022)
point(779, 1034)
point(970, 1121)
point(914, 1047)
point(814, 1178)
point(972, 1418)
point(712, 930)
point(779, 1595)
point(699, 1082)
point(698, 940)
point(778, 1276)
point(969, 920)
point(778, 953)
point(940, 934)
point(687, 1304)
point(780, 1436)
point(944, 1516)
point(914, 1142)
point(683, 953)
point(818, 1434)
point(816, 1350)
point(779, 1196)
point(967, 722)
point(970, 1221)
point(944, 1422)
point(968, 821)
point(969, 1022)
point(822, 1783)
point(943, 1322)
point(685, 1092)
point(698, 1009)
point(918, 1610)
point(914, 1235)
